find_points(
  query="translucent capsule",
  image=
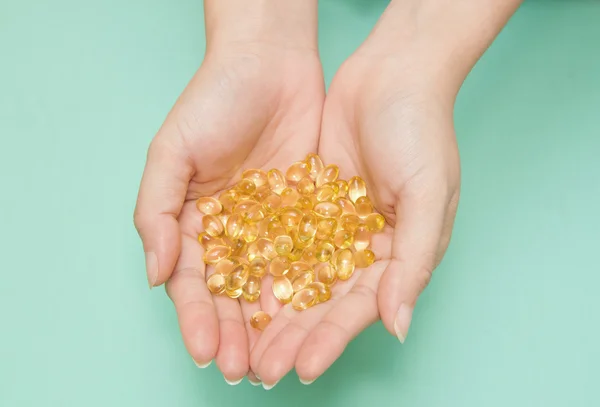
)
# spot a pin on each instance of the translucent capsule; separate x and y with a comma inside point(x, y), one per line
point(356, 188)
point(244, 205)
point(304, 299)
point(266, 248)
point(246, 187)
point(364, 258)
point(345, 264)
point(325, 273)
point(343, 239)
point(307, 228)
point(289, 197)
point(262, 192)
point(251, 290)
point(304, 203)
point(259, 320)
point(226, 266)
point(224, 217)
point(363, 206)
point(272, 203)
point(259, 177)
point(306, 186)
point(207, 241)
point(228, 199)
point(290, 218)
point(216, 254)
point(329, 173)
point(212, 225)
point(342, 188)
point(309, 255)
point(297, 171)
point(346, 205)
point(280, 266)
point(328, 209)
point(324, 250)
point(350, 222)
point(238, 247)
point(299, 267)
point(216, 283)
point(282, 289)
point(323, 291)
point(255, 213)
point(295, 254)
point(375, 222)
point(334, 257)
point(209, 206)
point(302, 279)
point(362, 238)
point(325, 193)
point(275, 229)
point(315, 165)
point(234, 293)
point(235, 226)
point(326, 228)
point(276, 180)
point(263, 228)
point(283, 245)
point(258, 267)
point(252, 251)
point(250, 232)
point(237, 278)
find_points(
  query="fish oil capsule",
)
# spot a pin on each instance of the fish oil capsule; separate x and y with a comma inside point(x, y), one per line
point(272, 203)
point(324, 250)
point(325, 193)
point(216, 283)
point(307, 228)
point(345, 264)
point(207, 241)
point(234, 293)
point(315, 165)
point(266, 248)
point(258, 176)
point(289, 197)
point(246, 187)
point(228, 199)
point(363, 206)
point(209, 206)
point(226, 266)
point(258, 267)
point(276, 180)
point(328, 209)
point(350, 222)
point(304, 203)
point(250, 232)
point(235, 226)
point(251, 290)
point(302, 279)
point(238, 247)
point(262, 192)
point(343, 239)
point(356, 188)
point(244, 205)
point(282, 289)
point(375, 222)
point(364, 258)
point(216, 254)
point(255, 213)
point(276, 229)
point(296, 172)
point(299, 267)
point(326, 228)
point(334, 257)
point(323, 291)
point(342, 188)
point(237, 278)
point(325, 273)
point(212, 225)
point(329, 173)
point(306, 186)
point(304, 299)
point(283, 245)
point(290, 218)
point(295, 254)
point(309, 255)
point(252, 251)
point(263, 228)
point(280, 266)
point(362, 238)
point(259, 320)
point(346, 205)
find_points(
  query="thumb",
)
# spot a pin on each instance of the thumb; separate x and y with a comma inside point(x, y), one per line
point(414, 256)
point(162, 193)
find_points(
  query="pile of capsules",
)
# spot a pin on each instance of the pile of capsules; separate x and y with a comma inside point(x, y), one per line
point(307, 229)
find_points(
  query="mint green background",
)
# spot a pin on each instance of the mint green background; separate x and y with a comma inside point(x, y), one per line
point(510, 319)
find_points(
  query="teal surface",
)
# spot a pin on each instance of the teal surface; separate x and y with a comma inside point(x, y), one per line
point(510, 319)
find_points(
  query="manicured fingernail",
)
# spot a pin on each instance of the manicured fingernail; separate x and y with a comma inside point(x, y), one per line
point(151, 268)
point(269, 386)
point(402, 322)
point(307, 382)
point(202, 366)
point(254, 383)
point(233, 382)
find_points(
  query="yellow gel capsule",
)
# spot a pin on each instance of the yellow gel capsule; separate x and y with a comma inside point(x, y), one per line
point(325, 193)
point(272, 203)
point(324, 251)
point(323, 291)
point(309, 255)
point(299, 266)
point(238, 247)
point(325, 273)
point(283, 245)
point(304, 203)
point(246, 187)
point(228, 199)
point(346, 205)
point(315, 165)
point(364, 258)
point(342, 188)
point(282, 289)
point(216, 254)
point(252, 251)
point(363, 206)
point(255, 213)
point(250, 232)
point(329, 173)
point(234, 293)
point(326, 228)
point(251, 290)
point(207, 241)
point(296, 254)
point(280, 266)
point(209, 206)
point(356, 188)
point(362, 238)
point(262, 192)
point(216, 283)
point(289, 197)
point(212, 225)
point(259, 320)
point(235, 226)
point(345, 264)
point(343, 239)
point(226, 266)
point(304, 299)
point(237, 278)
point(301, 280)
point(297, 171)
point(306, 186)
point(290, 218)
point(350, 222)
point(375, 222)
point(276, 180)
point(276, 229)
point(259, 177)
point(258, 267)
point(266, 248)
point(328, 209)
point(307, 228)
point(240, 259)
point(244, 205)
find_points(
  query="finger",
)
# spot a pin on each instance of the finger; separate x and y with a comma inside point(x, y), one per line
point(161, 196)
point(414, 253)
point(349, 316)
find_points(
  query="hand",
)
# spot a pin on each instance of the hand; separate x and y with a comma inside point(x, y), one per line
point(254, 103)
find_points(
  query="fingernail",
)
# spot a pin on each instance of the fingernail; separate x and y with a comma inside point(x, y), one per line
point(254, 383)
point(202, 366)
point(306, 382)
point(402, 322)
point(151, 268)
point(233, 382)
point(269, 386)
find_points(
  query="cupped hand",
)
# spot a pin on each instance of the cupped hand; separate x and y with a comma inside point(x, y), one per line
point(253, 105)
